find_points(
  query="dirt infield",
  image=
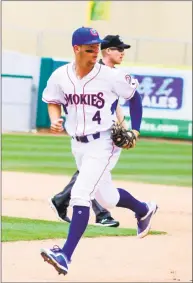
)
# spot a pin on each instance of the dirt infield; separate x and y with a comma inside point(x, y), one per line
point(152, 259)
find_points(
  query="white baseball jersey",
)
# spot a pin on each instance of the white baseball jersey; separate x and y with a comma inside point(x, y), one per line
point(90, 102)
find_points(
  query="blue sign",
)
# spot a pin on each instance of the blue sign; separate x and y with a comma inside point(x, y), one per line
point(160, 92)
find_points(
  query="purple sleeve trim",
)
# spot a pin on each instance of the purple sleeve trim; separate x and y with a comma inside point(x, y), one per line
point(136, 110)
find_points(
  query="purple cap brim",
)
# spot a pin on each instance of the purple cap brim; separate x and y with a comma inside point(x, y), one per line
point(97, 41)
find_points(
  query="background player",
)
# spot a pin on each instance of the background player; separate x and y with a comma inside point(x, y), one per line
point(83, 87)
point(112, 54)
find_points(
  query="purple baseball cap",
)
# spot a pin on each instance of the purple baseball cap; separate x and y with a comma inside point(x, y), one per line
point(86, 36)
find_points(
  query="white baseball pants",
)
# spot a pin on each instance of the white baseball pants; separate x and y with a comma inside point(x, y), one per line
point(94, 161)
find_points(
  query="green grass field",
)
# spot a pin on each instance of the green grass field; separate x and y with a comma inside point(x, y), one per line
point(155, 162)
point(24, 229)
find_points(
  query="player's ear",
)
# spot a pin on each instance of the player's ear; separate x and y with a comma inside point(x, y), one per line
point(108, 50)
point(76, 48)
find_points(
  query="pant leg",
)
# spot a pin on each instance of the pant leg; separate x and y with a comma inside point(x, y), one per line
point(100, 211)
point(94, 175)
point(62, 199)
point(108, 197)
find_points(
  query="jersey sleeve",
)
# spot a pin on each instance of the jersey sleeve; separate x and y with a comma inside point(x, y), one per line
point(124, 85)
point(52, 93)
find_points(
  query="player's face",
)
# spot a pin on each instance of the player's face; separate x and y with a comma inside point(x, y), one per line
point(116, 54)
point(88, 53)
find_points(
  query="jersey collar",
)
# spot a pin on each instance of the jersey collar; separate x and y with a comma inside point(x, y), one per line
point(101, 62)
point(87, 78)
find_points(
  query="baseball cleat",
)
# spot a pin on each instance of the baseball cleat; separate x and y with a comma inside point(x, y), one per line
point(61, 215)
point(56, 258)
point(107, 222)
point(144, 223)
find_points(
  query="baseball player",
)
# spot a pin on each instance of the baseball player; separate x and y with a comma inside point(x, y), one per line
point(112, 53)
point(87, 90)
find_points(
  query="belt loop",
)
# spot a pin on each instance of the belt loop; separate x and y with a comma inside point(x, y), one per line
point(96, 135)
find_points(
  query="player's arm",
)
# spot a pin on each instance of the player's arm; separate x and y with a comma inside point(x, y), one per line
point(136, 111)
point(54, 111)
point(52, 95)
point(121, 117)
point(135, 114)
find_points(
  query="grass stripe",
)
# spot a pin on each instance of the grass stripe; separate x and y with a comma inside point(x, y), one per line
point(63, 149)
point(137, 152)
point(40, 163)
point(61, 162)
point(36, 154)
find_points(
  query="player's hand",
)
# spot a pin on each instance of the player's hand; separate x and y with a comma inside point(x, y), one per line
point(136, 133)
point(57, 126)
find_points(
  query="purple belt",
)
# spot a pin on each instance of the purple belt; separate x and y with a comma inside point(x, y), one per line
point(87, 138)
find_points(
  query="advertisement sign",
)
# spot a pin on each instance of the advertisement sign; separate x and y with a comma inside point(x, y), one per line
point(166, 93)
point(160, 92)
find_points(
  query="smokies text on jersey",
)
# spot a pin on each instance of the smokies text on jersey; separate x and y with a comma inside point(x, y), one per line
point(95, 100)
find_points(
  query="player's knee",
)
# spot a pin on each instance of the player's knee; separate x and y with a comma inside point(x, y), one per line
point(106, 202)
point(79, 196)
point(108, 198)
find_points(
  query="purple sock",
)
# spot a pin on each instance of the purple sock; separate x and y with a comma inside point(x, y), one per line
point(128, 201)
point(78, 225)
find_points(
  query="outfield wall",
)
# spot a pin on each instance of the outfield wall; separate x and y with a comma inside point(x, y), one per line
point(20, 83)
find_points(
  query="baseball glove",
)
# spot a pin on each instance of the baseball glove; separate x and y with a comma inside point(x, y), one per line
point(123, 138)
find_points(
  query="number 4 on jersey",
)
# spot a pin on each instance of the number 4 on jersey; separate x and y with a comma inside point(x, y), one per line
point(97, 117)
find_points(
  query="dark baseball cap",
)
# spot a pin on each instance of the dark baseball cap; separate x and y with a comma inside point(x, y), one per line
point(85, 36)
point(114, 41)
